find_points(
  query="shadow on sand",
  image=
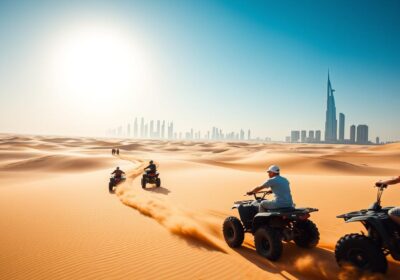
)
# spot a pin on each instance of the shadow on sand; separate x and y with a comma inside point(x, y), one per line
point(316, 263)
point(160, 190)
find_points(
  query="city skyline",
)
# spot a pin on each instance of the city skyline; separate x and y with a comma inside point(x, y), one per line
point(146, 129)
point(334, 134)
point(77, 68)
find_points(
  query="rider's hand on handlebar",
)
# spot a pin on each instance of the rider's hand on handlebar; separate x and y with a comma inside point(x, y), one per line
point(380, 184)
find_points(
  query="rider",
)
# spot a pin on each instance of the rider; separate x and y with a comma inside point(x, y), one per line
point(118, 173)
point(279, 186)
point(394, 213)
point(152, 168)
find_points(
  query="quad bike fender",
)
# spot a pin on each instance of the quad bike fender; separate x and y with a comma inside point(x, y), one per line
point(378, 227)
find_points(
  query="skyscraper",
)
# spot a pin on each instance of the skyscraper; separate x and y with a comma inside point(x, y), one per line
point(303, 136)
point(135, 128)
point(341, 127)
point(362, 134)
point(151, 131)
point(352, 134)
point(163, 130)
point(331, 121)
point(311, 138)
point(318, 136)
point(295, 136)
point(142, 128)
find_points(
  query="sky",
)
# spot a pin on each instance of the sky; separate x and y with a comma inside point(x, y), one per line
point(82, 67)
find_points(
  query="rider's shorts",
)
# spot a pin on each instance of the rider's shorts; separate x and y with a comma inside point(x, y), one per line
point(394, 211)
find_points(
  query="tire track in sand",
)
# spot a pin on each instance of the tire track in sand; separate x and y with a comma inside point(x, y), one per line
point(203, 229)
point(193, 227)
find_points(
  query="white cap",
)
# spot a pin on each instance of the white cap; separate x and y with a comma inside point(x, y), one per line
point(273, 169)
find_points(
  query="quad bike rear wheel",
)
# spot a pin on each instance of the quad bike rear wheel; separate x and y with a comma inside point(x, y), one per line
point(361, 252)
point(233, 232)
point(158, 182)
point(307, 234)
point(268, 243)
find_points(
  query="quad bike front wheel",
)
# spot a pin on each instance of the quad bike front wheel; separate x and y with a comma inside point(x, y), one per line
point(361, 252)
point(306, 234)
point(143, 183)
point(268, 243)
point(233, 232)
point(111, 186)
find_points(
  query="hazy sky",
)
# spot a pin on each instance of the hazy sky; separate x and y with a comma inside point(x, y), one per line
point(80, 67)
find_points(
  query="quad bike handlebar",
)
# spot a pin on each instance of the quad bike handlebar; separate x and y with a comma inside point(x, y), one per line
point(265, 193)
point(381, 185)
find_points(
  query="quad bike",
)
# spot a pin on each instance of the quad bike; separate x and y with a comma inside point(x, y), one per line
point(114, 181)
point(150, 177)
point(368, 252)
point(270, 228)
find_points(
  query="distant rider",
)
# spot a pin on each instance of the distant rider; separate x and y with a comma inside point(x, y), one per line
point(394, 213)
point(279, 186)
point(118, 173)
point(151, 168)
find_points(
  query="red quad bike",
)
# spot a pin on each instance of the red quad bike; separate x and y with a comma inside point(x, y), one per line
point(114, 181)
point(150, 177)
point(270, 228)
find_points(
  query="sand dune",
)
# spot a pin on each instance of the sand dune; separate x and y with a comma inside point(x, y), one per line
point(61, 223)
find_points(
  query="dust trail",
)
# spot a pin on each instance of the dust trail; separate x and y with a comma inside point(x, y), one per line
point(316, 265)
point(177, 220)
point(194, 227)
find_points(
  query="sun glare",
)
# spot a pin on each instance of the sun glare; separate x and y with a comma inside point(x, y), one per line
point(95, 64)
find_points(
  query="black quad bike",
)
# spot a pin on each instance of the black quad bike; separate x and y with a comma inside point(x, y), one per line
point(368, 252)
point(150, 177)
point(114, 181)
point(270, 228)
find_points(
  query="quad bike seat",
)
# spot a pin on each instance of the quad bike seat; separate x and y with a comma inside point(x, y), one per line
point(283, 209)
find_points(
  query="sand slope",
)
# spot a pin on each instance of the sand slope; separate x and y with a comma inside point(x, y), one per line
point(58, 220)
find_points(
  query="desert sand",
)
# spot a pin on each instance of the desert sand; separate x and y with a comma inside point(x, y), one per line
point(58, 220)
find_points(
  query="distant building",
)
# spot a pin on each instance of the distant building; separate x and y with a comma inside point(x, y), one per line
point(287, 139)
point(377, 141)
point(142, 128)
point(295, 136)
point(318, 136)
point(135, 128)
point(341, 127)
point(158, 133)
point(303, 136)
point(362, 134)
point(163, 130)
point(311, 138)
point(241, 135)
point(331, 121)
point(353, 134)
point(128, 130)
point(249, 135)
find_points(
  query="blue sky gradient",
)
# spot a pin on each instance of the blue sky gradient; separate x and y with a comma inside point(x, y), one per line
point(234, 64)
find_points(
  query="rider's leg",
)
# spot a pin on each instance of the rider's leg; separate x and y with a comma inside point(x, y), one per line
point(266, 205)
point(394, 214)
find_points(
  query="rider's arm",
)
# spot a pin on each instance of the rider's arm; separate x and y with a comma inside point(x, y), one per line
point(113, 172)
point(391, 181)
point(256, 189)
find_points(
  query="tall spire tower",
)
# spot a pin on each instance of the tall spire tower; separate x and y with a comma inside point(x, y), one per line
point(331, 121)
